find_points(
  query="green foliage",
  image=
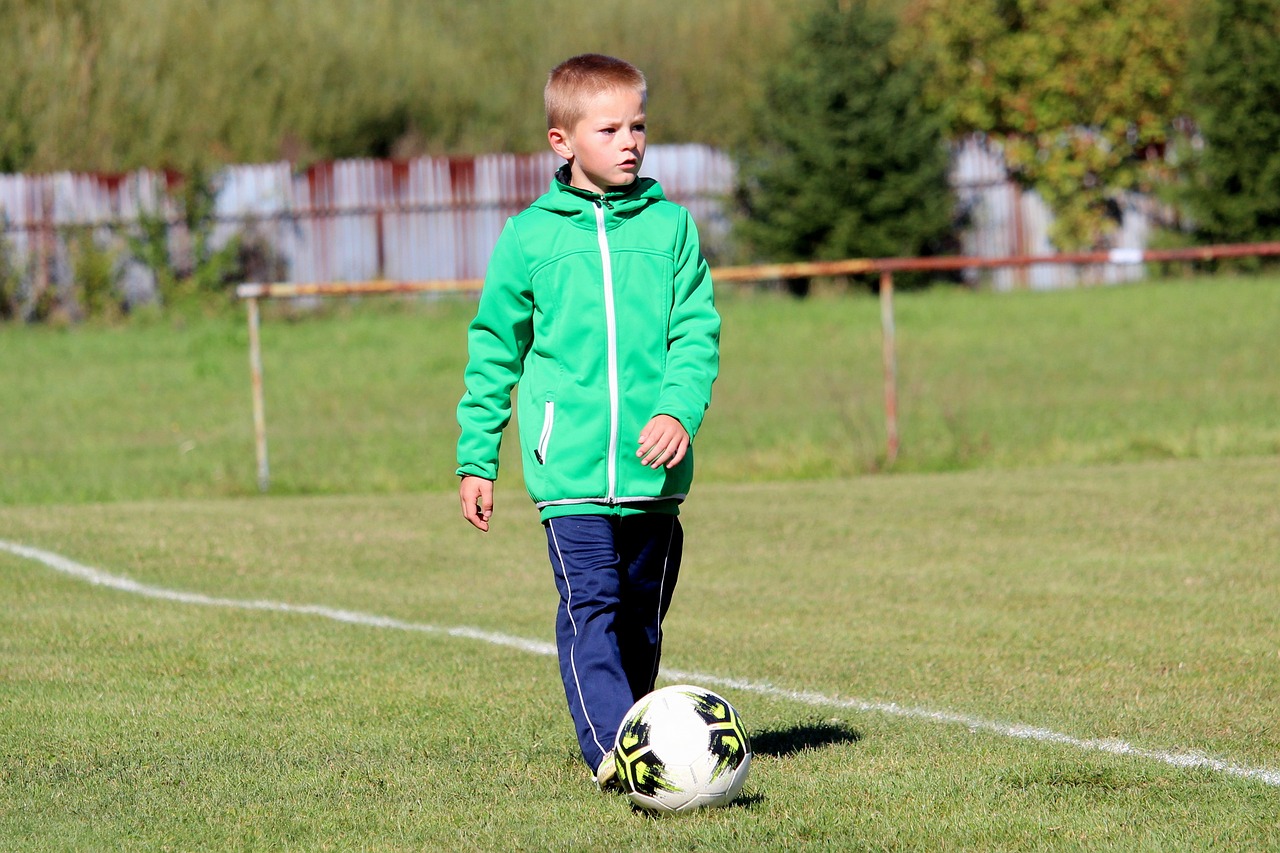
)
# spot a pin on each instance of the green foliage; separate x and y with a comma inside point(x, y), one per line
point(112, 85)
point(1234, 192)
point(199, 270)
point(150, 245)
point(1081, 94)
point(208, 268)
point(847, 161)
point(10, 281)
point(94, 277)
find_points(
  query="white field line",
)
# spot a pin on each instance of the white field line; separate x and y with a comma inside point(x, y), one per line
point(1188, 760)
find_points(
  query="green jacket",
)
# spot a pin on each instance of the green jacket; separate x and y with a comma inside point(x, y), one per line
point(601, 308)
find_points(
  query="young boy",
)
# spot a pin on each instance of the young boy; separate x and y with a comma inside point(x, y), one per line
point(598, 302)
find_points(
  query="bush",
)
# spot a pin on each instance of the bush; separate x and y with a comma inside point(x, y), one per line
point(185, 220)
point(95, 281)
point(10, 281)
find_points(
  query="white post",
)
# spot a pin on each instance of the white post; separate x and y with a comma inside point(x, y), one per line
point(259, 407)
point(890, 357)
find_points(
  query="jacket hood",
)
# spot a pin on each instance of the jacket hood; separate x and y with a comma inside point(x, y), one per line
point(568, 200)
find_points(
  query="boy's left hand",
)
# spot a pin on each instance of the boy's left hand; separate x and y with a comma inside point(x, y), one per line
point(663, 441)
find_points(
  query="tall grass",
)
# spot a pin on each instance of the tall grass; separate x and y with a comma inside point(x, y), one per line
point(113, 85)
point(361, 397)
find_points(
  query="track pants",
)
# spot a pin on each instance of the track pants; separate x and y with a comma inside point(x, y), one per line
point(615, 575)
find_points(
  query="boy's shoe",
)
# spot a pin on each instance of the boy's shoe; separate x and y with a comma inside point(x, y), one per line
point(607, 775)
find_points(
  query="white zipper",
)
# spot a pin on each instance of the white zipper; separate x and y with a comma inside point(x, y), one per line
point(548, 418)
point(611, 335)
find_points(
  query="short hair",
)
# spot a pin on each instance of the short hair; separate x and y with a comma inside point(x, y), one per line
point(576, 80)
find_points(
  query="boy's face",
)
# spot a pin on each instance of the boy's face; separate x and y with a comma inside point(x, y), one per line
point(606, 147)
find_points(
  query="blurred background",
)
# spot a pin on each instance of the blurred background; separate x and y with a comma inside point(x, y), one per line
point(156, 150)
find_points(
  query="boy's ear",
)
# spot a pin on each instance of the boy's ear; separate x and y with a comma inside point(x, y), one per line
point(560, 143)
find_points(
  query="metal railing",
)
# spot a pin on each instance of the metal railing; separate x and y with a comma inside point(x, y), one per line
point(884, 268)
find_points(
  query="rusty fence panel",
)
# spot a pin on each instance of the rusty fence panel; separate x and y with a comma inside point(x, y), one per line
point(437, 218)
point(350, 220)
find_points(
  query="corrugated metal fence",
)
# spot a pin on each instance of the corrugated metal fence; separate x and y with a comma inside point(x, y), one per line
point(1002, 220)
point(438, 218)
point(427, 218)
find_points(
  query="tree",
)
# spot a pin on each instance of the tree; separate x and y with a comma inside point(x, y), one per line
point(1234, 193)
point(1082, 95)
point(847, 159)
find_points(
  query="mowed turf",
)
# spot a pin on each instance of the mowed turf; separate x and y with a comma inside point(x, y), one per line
point(1054, 626)
point(1132, 603)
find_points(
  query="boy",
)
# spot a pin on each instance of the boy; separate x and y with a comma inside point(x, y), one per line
point(597, 301)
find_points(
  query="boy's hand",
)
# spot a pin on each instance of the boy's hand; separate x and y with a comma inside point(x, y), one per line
point(663, 441)
point(476, 494)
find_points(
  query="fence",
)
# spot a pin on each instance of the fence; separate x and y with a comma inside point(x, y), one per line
point(351, 220)
point(435, 218)
point(1003, 220)
point(883, 267)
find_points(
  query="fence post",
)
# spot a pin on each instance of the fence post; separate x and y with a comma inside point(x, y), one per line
point(890, 359)
point(259, 407)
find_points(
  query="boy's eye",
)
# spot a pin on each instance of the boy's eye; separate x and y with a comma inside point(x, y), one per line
point(639, 128)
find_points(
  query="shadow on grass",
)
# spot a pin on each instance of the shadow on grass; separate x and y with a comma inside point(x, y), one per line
point(797, 738)
point(778, 743)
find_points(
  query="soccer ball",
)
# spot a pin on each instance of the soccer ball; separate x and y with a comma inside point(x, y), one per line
point(682, 748)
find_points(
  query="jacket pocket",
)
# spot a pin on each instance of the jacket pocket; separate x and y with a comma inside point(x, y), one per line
point(548, 422)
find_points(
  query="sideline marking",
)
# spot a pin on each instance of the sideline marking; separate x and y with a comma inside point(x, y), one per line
point(1187, 760)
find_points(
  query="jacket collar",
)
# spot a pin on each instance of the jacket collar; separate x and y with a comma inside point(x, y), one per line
point(567, 199)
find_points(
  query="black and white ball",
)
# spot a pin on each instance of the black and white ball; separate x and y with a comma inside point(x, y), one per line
point(682, 748)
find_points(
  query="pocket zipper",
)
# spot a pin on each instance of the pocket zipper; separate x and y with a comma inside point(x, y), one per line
point(548, 419)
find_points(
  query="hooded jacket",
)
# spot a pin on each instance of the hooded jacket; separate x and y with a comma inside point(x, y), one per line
point(600, 307)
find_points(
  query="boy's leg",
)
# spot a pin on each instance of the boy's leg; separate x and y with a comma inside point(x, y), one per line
point(588, 574)
point(651, 547)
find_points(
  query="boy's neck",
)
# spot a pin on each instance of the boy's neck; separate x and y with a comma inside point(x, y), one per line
point(567, 176)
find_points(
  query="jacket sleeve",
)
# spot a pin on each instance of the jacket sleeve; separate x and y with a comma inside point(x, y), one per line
point(497, 341)
point(693, 339)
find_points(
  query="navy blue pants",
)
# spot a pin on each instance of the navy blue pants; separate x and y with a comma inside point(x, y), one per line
point(615, 575)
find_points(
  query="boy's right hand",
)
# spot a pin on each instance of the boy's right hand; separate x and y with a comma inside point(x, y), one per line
point(476, 494)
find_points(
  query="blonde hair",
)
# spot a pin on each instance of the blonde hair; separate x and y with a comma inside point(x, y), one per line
point(575, 81)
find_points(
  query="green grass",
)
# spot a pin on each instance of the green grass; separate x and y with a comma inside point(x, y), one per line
point(1082, 536)
point(1134, 601)
point(362, 400)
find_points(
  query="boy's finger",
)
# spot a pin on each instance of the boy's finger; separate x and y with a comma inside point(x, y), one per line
point(479, 519)
point(668, 452)
point(484, 506)
point(650, 453)
point(678, 454)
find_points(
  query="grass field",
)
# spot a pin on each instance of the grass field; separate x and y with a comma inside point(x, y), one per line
point(1055, 627)
point(363, 401)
